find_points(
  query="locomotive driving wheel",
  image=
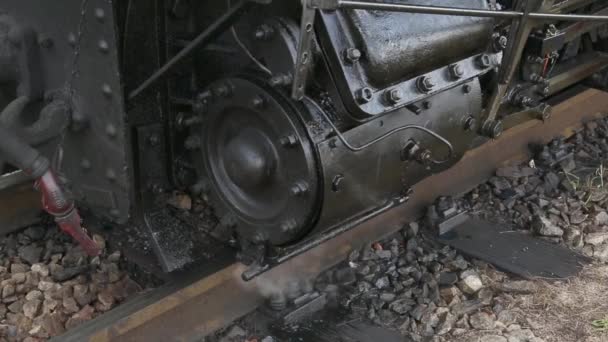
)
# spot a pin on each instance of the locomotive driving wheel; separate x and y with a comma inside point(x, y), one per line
point(258, 162)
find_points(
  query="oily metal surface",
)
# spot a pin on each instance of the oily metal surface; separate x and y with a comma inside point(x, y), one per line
point(213, 302)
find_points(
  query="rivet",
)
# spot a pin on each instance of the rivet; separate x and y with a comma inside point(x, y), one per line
point(110, 174)
point(85, 164)
point(153, 140)
point(466, 88)
point(111, 130)
point(288, 225)
point(192, 143)
point(72, 39)
point(103, 46)
point(46, 42)
point(258, 102)
point(100, 14)
point(106, 89)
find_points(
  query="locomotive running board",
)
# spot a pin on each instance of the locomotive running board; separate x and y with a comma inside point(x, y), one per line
point(513, 251)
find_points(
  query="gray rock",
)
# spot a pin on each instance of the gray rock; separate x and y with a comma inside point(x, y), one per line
point(35, 233)
point(601, 218)
point(235, 332)
point(447, 279)
point(523, 335)
point(33, 295)
point(507, 317)
point(446, 323)
point(70, 305)
point(8, 290)
point(41, 269)
point(470, 282)
point(31, 308)
point(599, 252)
point(596, 239)
point(492, 338)
point(63, 274)
point(518, 286)
point(402, 306)
point(19, 268)
point(382, 283)
point(30, 253)
point(482, 321)
point(467, 307)
point(544, 227)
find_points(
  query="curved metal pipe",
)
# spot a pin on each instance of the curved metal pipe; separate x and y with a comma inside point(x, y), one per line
point(388, 134)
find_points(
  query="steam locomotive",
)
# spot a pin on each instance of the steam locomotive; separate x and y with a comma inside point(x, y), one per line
point(294, 120)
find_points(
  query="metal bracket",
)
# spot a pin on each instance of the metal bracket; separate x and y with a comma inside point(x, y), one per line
point(304, 51)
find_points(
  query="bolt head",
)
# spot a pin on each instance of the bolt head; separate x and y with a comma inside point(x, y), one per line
point(364, 95)
point(394, 96)
point(352, 55)
point(264, 32)
point(500, 43)
point(466, 88)
point(456, 71)
point(492, 128)
point(484, 60)
point(289, 140)
point(425, 84)
point(469, 123)
point(545, 111)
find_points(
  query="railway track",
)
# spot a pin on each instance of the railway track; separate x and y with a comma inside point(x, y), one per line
point(200, 303)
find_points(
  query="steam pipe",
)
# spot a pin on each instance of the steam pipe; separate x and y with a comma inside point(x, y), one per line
point(54, 199)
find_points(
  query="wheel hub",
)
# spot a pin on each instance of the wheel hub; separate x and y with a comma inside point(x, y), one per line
point(250, 168)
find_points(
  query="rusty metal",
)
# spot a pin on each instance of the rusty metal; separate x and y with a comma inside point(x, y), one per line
point(213, 302)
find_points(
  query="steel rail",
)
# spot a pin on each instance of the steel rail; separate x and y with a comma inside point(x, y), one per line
point(190, 312)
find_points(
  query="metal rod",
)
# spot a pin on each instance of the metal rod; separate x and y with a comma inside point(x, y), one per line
point(219, 26)
point(469, 12)
point(391, 7)
point(388, 134)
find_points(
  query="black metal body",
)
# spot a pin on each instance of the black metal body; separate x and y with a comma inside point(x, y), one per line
point(293, 121)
